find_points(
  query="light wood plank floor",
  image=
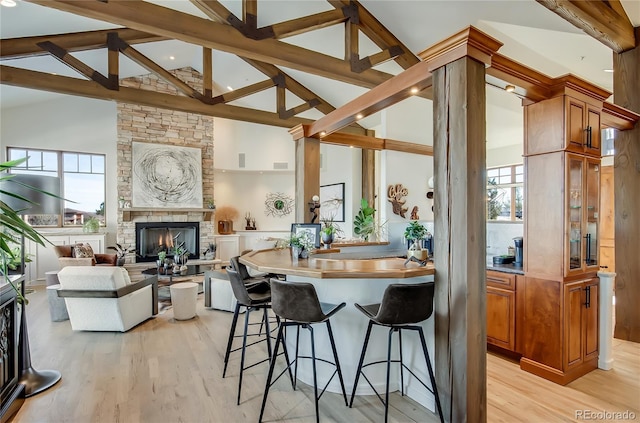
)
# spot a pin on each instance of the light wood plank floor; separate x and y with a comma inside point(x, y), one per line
point(168, 371)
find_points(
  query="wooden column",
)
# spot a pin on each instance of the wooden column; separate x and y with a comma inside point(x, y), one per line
point(626, 86)
point(460, 222)
point(307, 172)
point(369, 172)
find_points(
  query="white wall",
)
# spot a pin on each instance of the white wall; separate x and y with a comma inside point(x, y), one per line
point(73, 124)
point(505, 156)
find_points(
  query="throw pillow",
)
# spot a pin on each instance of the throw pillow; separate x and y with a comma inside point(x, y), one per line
point(84, 251)
point(125, 276)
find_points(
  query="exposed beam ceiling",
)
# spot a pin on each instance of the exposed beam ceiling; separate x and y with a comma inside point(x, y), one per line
point(603, 20)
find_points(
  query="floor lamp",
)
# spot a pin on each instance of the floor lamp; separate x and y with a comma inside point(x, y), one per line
point(34, 381)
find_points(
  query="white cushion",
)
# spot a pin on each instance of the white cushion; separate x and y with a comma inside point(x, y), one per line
point(95, 278)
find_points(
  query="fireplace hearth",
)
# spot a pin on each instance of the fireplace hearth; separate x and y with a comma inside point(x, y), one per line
point(153, 237)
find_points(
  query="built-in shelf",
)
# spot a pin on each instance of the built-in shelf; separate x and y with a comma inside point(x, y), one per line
point(128, 213)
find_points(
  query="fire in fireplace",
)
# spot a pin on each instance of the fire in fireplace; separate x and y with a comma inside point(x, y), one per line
point(153, 237)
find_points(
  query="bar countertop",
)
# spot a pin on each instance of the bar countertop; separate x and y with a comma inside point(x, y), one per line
point(336, 265)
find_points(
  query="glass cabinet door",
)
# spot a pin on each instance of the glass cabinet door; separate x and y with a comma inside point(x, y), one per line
point(592, 214)
point(575, 210)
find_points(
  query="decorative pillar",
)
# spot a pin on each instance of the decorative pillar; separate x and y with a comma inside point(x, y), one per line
point(458, 67)
point(626, 85)
point(307, 173)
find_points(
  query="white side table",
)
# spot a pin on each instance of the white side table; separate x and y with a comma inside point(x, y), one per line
point(183, 298)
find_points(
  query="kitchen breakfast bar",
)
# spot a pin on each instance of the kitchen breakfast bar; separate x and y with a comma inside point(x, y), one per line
point(355, 278)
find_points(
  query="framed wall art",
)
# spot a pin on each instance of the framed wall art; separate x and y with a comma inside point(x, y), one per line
point(312, 228)
point(332, 202)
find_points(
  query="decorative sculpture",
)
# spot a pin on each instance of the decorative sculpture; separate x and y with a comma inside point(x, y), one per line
point(395, 194)
point(414, 213)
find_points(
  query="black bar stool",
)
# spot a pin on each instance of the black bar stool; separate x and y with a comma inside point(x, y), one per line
point(298, 303)
point(402, 307)
point(257, 297)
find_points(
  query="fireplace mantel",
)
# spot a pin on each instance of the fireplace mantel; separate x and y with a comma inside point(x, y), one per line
point(128, 213)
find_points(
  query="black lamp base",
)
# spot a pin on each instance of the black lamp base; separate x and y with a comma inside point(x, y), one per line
point(36, 381)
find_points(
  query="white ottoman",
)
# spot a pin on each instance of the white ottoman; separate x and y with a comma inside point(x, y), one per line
point(57, 306)
point(183, 299)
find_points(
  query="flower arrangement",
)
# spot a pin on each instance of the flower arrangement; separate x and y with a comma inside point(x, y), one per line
point(227, 213)
point(302, 240)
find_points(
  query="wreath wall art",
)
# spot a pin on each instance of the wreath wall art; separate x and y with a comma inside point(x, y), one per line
point(278, 204)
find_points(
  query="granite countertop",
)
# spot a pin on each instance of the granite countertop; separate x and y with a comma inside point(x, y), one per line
point(506, 268)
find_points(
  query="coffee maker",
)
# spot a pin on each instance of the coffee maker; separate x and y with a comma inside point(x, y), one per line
point(519, 242)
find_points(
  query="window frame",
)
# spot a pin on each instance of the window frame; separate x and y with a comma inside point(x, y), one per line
point(513, 185)
point(60, 173)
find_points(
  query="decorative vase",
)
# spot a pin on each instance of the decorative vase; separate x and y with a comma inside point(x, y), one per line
point(327, 239)
point(225, 227)
point(304, 253)
point(295, 253)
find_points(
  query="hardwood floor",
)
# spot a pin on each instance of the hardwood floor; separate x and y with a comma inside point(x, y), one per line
point(168, 371)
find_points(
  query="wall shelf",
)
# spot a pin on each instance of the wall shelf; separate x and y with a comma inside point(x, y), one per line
point(128, 213)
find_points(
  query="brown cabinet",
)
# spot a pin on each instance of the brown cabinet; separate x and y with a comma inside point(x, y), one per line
point(563, 123)
point(581, 315)
point(502, 309)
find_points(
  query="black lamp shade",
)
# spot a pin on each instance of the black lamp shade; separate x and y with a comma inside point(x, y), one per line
point(41, 203)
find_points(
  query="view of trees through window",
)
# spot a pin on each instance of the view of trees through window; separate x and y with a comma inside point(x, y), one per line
point(82, 179)
point(505, 193)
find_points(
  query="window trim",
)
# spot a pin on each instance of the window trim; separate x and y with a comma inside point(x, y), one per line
point(513, 185)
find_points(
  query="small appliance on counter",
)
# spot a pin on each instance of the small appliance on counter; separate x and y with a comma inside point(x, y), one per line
point(519, 260)
point(505, 259)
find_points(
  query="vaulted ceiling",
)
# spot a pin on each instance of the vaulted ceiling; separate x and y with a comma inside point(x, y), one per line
point(272, 62)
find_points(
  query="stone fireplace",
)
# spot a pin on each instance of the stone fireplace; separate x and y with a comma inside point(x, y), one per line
point(153, 237)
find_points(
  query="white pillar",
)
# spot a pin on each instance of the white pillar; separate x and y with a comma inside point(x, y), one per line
point(605, 359)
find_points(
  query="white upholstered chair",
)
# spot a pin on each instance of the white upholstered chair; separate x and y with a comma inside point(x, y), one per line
point(104, 299)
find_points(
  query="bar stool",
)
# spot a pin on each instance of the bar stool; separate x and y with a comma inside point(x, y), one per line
point(257, 298)
point(402, 307)
point(298, 303)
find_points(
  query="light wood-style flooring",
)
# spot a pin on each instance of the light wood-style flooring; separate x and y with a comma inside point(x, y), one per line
point(169, 371)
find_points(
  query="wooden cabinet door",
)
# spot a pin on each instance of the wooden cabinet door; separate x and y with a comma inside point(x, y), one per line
point(501, 307)
point(574, 298)
point(593, 138)
point(575, 125)
point(591, 319)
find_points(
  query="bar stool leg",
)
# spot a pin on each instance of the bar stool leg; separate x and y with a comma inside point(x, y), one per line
point(315, 376)
point(265, 318)
point(401, 364)
point(433, 379)
point(244, 347)
point(272, 364)
point(284, 349)
point(232, 332)
point(335, 357)
point(295, 365)
point(364, 351)
point(386, 398)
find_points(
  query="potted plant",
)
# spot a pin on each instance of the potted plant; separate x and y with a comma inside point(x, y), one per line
point(91, 224)
point(364, 224)
point(416, 232)
point(329, 231)
point(301, 243)
point(121, 252)
point(210, 252)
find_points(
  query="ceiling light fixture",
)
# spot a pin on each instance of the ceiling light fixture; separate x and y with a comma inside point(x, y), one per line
point(510, 88)
point(608, 70)
point(414, 90)
point(229, 88)
point(323, 133)
point(359, 116)
point(172, 58)
point(8, 3)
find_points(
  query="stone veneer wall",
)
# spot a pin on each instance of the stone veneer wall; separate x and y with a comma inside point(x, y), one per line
point(162, 126)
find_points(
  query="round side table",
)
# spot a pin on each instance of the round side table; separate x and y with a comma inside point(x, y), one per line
point(183, 298)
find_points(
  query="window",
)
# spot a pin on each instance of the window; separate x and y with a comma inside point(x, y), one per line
point(82, 179)
point(505, 193)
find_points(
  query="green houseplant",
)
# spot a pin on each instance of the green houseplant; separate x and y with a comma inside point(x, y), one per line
point(416, 232)
point(364, 223)
point(121, 252)
point(301, 243)
point(329, 231)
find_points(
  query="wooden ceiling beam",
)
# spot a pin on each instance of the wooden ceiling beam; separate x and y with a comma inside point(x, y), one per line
point(250, 13)
point(17, 48)
point(598, 19)
point(373, 143)
point(379, 34)
point(386, 94)
point(376, 59)
point(207, 73)
point(298, 109)
point(63, 56)
point(153, 67)
point(244, 91)
point(308, 23)
point(166, 22)
point(73, 86)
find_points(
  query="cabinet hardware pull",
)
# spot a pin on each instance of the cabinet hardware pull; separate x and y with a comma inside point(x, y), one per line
point(589, 132)
point(587, 304)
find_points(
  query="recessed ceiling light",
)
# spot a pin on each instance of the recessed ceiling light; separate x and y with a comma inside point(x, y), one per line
point(608, 70)
point(323, 133)
point(229, 88)
point(8, 3)
point(359, 116)
point(414, 90)
point(172, 58)
point(510, 88)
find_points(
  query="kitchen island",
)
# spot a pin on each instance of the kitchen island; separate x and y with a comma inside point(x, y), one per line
point(355, 278)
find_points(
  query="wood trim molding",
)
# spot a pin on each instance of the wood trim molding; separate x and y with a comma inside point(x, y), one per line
point(618, 117)
point(469, 42)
